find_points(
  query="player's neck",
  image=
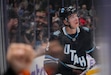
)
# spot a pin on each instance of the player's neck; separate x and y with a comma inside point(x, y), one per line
point(70, 31)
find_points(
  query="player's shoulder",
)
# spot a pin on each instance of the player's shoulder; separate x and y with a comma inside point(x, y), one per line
point(59, 32)
point(57, 35)
point(85, 30)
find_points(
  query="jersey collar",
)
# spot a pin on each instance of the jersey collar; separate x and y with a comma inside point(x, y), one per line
point(65, 32)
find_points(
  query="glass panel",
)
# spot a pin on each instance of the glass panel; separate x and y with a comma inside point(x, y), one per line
point(36, 22)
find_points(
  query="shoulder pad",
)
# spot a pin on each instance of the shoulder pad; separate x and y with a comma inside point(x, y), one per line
point(86, 29)
point(56, 33)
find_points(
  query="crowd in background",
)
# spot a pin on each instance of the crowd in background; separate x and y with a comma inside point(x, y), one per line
point(32, 21)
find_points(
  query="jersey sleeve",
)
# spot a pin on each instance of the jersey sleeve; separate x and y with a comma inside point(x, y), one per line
point(89, 46)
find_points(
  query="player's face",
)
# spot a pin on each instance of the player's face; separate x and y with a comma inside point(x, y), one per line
point(73, 20)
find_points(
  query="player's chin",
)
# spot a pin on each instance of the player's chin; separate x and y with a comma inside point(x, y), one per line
point(75, 26)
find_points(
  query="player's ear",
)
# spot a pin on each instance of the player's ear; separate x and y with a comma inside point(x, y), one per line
point(65, 22)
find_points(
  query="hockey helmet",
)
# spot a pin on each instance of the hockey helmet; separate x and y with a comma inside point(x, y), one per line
point(66, 11)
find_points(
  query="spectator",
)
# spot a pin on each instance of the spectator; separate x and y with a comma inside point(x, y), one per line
point(37, 4)
point(41, 18)
point(56, 28)
point(13, 25)
point(29, 35)
point(92, 12)
point(55, 17)
point(82, 20)
point(84, 11)
point(41, 21)
point(89, 23)
point(41, 37)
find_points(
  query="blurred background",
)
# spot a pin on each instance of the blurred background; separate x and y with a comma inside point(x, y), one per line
point(32, 22)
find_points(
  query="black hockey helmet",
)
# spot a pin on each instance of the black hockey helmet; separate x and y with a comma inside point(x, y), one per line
point(66, 11)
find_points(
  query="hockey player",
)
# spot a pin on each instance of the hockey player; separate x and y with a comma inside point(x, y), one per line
point(77, 44)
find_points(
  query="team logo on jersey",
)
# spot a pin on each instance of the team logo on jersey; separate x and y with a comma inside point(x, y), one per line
point(74, 57)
